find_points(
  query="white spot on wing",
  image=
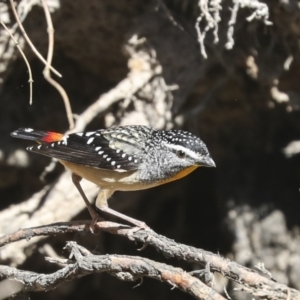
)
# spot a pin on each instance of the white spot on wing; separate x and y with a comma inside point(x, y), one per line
point(113, 163)
point(28, 129)
point(39, 147)
point(89, 133)
point(98, 148)
point(65, 139)
point(79, 133)
point(90, 140)
point(100, 152)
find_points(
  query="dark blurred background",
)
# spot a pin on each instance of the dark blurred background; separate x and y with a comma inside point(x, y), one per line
point(244, 103)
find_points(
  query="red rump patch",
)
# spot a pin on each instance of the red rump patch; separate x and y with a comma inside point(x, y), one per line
point(52, 137)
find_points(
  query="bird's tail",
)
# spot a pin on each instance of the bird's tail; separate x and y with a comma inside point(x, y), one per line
point(37, 135)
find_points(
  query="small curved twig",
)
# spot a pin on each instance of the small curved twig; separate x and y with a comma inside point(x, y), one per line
point(47, 73)
point(30, 80)
point(29, 41)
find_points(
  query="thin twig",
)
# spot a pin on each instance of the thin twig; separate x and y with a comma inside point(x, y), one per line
point(200, 37)
point(210, 13)
point(47, 74)
point(260, 11)
point(169, 14)
point(234, 11)
point(29, 41)
point(30, 80)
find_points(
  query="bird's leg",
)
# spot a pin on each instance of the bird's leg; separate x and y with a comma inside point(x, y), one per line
point(133, 221)
point(95, 217)
point(101, 203)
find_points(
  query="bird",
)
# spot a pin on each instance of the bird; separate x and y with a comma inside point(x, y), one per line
point(124, 158)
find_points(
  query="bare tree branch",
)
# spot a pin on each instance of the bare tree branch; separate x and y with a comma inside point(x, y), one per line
point(255, 283)
point(124, 267)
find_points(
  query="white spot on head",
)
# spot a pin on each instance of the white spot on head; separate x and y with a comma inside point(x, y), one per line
point(28, 129)
point(90, 140)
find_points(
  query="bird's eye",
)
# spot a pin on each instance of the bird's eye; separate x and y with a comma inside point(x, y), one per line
point(180, 154)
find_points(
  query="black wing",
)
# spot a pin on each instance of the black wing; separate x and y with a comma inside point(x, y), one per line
point(120, 148)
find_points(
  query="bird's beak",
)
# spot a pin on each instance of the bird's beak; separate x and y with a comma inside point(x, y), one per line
point(207, 162)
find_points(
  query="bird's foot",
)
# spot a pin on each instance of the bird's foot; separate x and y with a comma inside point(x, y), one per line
point(93, 227)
